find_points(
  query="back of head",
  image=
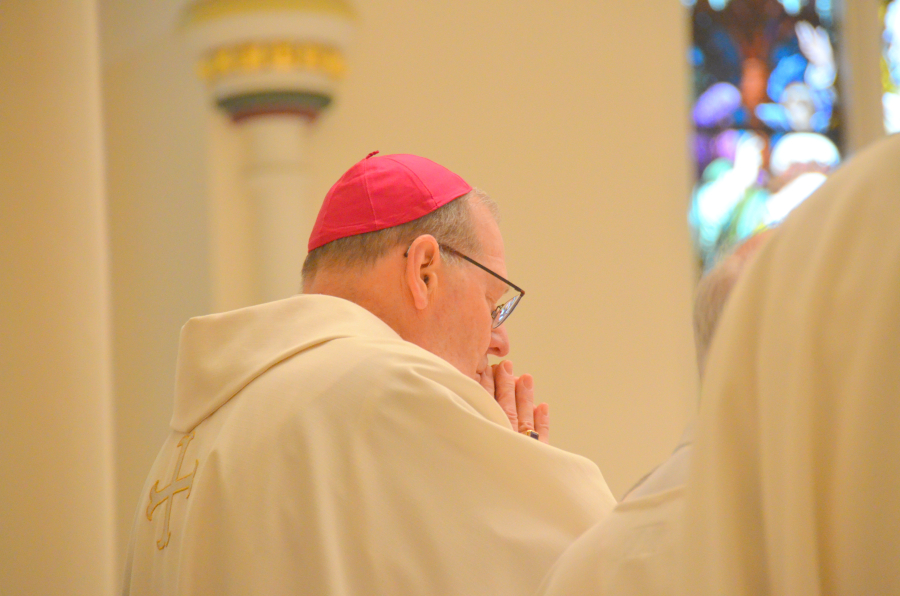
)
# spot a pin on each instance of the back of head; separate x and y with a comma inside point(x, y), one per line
point(394, 236)
point(386, 201)
point(715, 287)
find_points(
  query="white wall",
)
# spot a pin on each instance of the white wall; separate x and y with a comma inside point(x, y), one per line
point(159, 232)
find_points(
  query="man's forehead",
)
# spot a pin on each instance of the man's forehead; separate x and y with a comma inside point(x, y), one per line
point(495, 261)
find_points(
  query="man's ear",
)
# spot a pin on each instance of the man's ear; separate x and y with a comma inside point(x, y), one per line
point(422, 262)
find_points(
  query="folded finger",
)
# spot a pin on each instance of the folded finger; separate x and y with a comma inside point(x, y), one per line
point(525, 402)
point(505, 391)
point(486, 379)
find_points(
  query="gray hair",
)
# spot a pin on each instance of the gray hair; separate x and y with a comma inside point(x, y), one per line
point(709, 302)
point(450, 224)
point(713, 291)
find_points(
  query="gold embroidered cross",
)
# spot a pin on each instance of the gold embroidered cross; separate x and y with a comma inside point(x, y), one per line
point(168, 493)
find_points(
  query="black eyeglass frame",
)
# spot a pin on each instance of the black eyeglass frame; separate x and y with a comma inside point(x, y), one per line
point(498, 319)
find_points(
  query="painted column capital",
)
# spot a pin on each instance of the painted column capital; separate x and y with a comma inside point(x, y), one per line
point(270, 56)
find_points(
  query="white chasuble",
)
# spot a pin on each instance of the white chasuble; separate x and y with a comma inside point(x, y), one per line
point(795, 482)
point(315, 452)
point(634, 551)
point(630, 553)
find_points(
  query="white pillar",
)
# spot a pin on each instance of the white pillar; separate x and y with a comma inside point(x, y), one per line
point(273, 68)
point(276, 186)
point(56, 468)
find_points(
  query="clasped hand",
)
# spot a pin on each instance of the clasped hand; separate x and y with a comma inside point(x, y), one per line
point(516, 396)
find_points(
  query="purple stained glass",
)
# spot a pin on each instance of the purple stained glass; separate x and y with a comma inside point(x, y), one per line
point(726, 144)
point(765, 85)
point(717, 105)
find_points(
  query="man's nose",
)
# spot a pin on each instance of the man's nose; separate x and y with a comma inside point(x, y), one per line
point(499, 342)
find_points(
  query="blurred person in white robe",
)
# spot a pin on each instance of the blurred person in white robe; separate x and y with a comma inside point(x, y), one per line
point(795, 484)
point(353, 440)
point(634, 550)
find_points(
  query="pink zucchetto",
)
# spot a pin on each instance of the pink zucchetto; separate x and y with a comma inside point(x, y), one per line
point(382, 192)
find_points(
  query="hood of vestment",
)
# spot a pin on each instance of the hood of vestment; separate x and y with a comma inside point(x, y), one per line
point(220, 354)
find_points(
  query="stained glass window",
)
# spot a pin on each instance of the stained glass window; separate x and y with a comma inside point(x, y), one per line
point(765, 112)
point(890, 64)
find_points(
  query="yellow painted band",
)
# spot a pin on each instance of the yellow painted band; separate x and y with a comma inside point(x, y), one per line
point(282, 55)
point(209, 10)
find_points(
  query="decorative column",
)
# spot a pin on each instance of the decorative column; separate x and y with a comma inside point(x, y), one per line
point(56, 430)
point(272, 66)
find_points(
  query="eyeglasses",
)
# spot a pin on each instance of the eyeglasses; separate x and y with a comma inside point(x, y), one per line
point(507, 302)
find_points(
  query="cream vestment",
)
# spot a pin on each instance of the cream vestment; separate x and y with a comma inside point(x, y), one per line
point(315, 452)
point(795, 483)
point(633, 552)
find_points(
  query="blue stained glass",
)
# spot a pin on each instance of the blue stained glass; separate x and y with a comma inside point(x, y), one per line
point(824, 9)
point(789, 70)
point(695, 56)
point(766, 113)
point(792, 7)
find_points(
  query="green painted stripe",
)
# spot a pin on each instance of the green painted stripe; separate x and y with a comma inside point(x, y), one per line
point(275, 101)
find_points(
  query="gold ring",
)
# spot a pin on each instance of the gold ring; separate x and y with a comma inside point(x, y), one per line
point(530, 433)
